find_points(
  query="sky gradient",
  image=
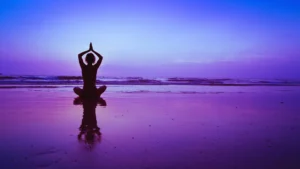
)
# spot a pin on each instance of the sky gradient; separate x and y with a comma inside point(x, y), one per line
point(217, 38)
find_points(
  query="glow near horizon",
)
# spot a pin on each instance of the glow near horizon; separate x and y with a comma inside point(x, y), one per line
point(149, 33)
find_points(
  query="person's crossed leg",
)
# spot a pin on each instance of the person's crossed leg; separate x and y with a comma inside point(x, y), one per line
point(80, 92)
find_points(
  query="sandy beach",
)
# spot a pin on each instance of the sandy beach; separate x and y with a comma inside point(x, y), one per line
point(257, 129)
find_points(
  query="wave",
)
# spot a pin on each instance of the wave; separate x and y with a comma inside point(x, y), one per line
point(77, 80)
point(198, 81)
point(69, 77)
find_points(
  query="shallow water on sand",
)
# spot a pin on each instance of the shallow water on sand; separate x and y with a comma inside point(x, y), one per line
point(40, 129)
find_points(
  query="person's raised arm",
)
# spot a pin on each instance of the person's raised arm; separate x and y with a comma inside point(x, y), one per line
point(100, 57)
point(81, 63)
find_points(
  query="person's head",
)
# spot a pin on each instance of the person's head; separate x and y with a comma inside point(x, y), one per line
point(90, 58)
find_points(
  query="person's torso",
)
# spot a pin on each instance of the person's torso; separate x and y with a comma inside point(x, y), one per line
point(89, 74)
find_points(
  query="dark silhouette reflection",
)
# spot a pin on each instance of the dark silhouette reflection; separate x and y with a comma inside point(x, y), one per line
point(89, 130)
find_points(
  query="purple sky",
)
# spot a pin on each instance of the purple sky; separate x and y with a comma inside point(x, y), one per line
point(219, 38)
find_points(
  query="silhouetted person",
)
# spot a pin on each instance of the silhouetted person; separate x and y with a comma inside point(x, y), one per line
point(89, 75)
point(89, 130)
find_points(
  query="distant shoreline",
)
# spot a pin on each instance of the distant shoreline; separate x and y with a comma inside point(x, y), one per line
point(77, 80)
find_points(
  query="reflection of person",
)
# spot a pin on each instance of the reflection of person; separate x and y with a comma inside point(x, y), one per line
point(89, 74)
point(89, 130)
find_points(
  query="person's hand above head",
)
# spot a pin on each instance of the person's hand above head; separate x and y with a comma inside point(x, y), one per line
point(91, 47)
point(80, 55)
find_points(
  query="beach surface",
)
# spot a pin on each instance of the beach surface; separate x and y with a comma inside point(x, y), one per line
point(228, 128)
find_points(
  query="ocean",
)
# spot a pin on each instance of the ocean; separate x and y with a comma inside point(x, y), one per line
point(77, 80)
point(157, 85)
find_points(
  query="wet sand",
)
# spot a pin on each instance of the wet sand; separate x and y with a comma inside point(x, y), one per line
point(251, 130)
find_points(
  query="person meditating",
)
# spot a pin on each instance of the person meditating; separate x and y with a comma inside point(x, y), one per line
point(89, 75)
